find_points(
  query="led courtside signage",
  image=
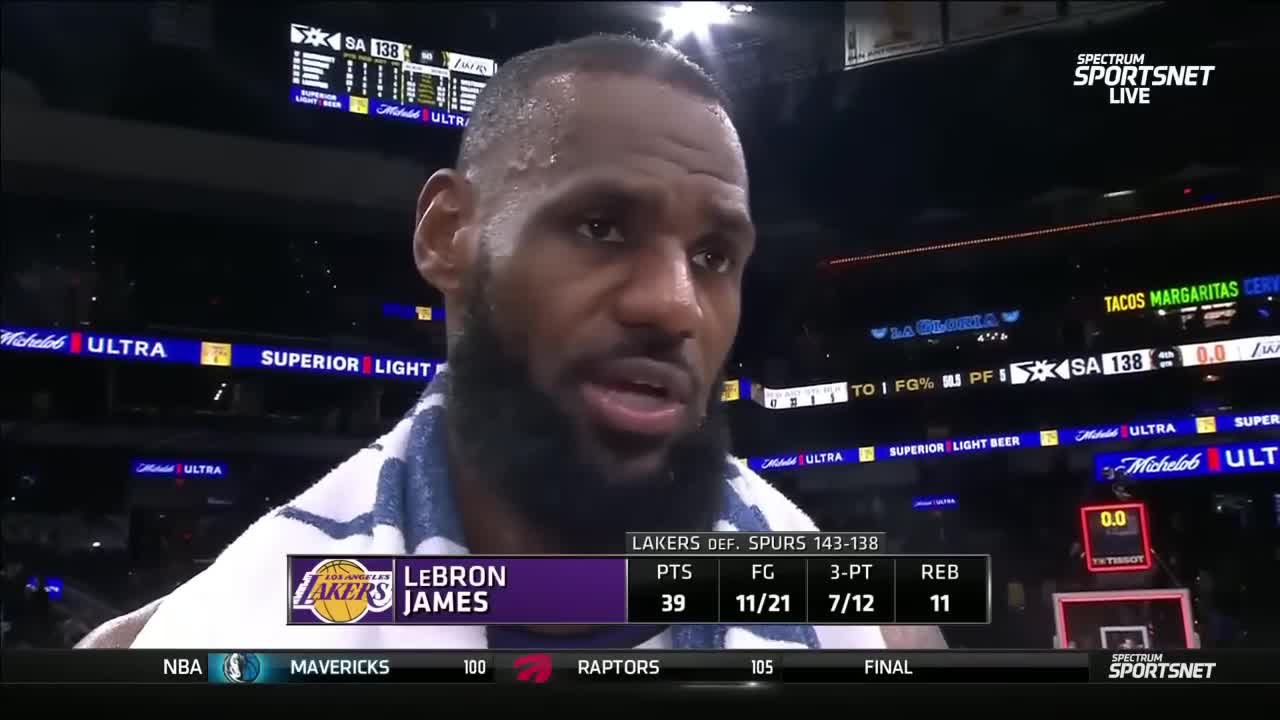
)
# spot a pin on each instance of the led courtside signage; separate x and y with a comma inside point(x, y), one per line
point(413, 312)
point(1197, 294)
point(1170, 463)
point(1147, 464)
point(179, 468)
point(214, 354)
point(929, 326)
point(1262, 285)
point(807, 396)
point(934, 502)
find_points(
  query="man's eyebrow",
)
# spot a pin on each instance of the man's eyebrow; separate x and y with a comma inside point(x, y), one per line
point(605, 186)
point(733, 218)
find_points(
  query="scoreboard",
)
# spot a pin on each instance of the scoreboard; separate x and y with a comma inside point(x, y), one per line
point(707, 578)
point(375, 76)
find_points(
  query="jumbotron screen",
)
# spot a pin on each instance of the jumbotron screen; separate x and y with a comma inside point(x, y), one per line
point(387, 78)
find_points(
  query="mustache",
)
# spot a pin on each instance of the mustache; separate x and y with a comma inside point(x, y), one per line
point(643, 343)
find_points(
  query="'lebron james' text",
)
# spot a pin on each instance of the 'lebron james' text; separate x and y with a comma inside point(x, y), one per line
point(449, 588)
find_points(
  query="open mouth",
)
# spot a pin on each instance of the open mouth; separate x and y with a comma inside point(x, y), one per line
point(641, 393)
point(638, 396)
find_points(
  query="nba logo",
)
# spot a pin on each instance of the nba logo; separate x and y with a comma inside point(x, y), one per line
point(341, 591)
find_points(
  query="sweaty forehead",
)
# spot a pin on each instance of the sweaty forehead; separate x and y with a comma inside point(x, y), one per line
point(591, 120)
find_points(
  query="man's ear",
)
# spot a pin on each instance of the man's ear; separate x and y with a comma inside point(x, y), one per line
point(443, 238)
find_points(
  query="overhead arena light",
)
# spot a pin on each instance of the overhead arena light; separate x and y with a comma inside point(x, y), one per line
point(694, 18)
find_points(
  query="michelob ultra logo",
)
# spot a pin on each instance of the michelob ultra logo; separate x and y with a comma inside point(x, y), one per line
point(179, 469)
point(1187, 462)
point(33, 340)
point(829, 457)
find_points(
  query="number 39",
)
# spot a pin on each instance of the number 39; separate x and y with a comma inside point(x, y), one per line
point(673, 603)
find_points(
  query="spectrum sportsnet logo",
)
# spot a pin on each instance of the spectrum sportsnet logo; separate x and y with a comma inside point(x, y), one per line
point(26, 340)
point(1152, 666)
point(1129, 79)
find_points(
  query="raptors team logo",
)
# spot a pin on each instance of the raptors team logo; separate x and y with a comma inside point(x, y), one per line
point(343, 591)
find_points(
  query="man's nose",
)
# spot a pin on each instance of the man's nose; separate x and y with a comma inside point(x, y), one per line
point(661, 292)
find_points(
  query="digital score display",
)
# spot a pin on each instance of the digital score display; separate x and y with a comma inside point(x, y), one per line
point(1116, 538)
point(374, 76)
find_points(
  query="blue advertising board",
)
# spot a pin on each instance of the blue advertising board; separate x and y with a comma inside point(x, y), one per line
point(179, 468)
point(1170, 463)
point(207, 353)
point(926, 327)
point(1128, 431)
point(934, 502)
point(1116, 432)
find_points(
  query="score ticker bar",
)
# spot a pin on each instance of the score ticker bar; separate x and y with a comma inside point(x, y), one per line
point(462, 667)
point(666, 589)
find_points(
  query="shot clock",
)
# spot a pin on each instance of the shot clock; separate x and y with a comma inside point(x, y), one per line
point(1116, 538)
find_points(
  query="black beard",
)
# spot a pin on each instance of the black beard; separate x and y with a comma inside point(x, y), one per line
point(516, 439)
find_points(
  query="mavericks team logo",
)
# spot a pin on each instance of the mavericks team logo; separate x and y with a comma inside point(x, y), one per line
point(343, 591)
point(241, 667)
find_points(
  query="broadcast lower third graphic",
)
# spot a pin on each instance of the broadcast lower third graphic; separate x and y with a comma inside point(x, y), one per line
point(534, 669)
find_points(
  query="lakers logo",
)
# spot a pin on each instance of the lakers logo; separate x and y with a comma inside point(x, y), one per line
point(343, 591)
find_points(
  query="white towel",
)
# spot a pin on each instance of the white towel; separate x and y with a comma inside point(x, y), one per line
point(394, 498)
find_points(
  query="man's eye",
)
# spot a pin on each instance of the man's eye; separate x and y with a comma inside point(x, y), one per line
point(600, 231)
point(714, 261)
